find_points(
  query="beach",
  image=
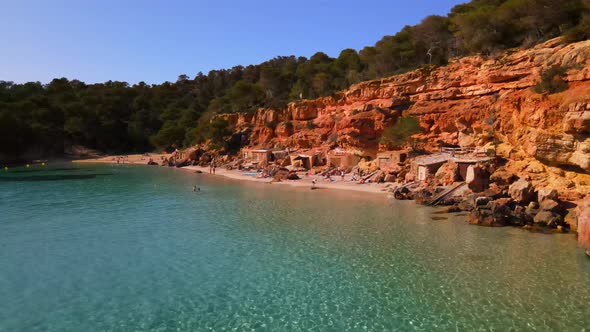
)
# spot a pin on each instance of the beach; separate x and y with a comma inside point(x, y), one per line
point(336, 183)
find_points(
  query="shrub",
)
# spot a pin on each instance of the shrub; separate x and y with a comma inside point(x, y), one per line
point(401, 132)
point(333, 138)
point(552, 80)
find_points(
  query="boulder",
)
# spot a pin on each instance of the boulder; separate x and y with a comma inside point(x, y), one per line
point(550, 205)
point(493, 192)
point(402, 193)
point(520, 217)
point(485, 216)
point(477, 178)
point(509, 202)
point(447, 174)
point(531, 210)
point(549, 219)
point(583, 212)
point(390, 178)
point(502, 177)
point(482, 201)
point(547, 193)
point(577, 122)
point(522, 191)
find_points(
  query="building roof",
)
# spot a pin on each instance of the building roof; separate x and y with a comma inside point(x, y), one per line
point(432, 159)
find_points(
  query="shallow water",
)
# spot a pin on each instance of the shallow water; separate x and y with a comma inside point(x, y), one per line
point(123, 248)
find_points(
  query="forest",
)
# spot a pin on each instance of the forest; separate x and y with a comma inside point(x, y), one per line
point(116, 117)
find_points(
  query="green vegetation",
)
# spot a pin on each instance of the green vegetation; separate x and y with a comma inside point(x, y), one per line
point(117, 117)
point(401, 133)
point(552, 80)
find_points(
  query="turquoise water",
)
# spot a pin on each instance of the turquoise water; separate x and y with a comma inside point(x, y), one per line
point(123, 248)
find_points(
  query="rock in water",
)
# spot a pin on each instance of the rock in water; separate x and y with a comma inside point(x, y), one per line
point(549, 219)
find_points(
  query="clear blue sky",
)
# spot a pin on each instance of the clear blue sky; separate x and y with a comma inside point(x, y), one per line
point(157, 40)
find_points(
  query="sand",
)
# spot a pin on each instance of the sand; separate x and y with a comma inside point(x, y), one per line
point(305, 181)
point(136, 159)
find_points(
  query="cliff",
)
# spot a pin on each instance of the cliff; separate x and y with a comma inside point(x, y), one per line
point(469, 102)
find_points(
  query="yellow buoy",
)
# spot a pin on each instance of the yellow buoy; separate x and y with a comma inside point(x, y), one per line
point(42, 164)
point(28, 165)
point(6, 168)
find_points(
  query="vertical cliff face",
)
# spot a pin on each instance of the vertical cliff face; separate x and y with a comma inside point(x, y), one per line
point(466, 103)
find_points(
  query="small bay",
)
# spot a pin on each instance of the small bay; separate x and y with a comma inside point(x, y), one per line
point(122, 248)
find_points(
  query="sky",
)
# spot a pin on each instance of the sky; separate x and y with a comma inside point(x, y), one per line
point(157, 40)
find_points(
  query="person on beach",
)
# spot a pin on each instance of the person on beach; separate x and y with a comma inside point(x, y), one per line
point(214, 169)
point(342, 175)
point(313, 184)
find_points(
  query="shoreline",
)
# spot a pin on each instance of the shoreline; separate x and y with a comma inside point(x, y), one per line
point(304, 181)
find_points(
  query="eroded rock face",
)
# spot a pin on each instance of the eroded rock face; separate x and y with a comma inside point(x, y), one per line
point(472, 101)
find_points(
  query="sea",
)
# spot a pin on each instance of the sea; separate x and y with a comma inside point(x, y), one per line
point(90, 247)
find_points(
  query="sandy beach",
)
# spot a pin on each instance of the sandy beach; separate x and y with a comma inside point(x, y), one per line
point(306, 181)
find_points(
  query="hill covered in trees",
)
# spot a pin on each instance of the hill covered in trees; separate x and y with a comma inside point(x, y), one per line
point(116, 117)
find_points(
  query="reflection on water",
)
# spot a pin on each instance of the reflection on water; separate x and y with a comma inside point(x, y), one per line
point(139, 250)
point(54, 173)
point(60, 177)
point(45, 169)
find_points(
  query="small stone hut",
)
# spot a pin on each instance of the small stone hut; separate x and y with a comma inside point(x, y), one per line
point(258, 155)
point(391, 158)
point(425, 166)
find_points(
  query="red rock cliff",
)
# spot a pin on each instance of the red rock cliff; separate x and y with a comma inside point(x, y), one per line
point(465, 103)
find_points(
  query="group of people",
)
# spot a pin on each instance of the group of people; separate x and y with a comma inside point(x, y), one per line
point(122, 159)
point(338, 172)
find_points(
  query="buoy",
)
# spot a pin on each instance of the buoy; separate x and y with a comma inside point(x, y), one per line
point(6, 168)
point(42, 164)
point(28, 165)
